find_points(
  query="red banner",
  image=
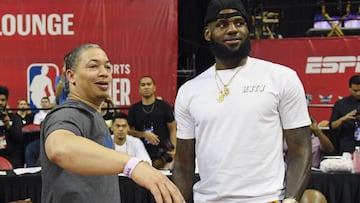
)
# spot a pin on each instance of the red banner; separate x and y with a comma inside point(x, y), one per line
point(139, 36)
point(323, 64)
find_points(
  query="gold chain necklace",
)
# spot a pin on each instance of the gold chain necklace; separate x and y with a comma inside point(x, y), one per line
point(224, 91)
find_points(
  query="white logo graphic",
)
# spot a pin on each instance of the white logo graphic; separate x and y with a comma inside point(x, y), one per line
point(40, 82)
point(332, 64)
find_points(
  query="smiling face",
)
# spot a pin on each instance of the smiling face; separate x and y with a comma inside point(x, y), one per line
point(90, 78)
point(228, 37)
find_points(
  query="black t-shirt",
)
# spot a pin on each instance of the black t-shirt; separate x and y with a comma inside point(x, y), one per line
point(345, 132)
point(156, 116)
point(14, 150)
point(28, 119)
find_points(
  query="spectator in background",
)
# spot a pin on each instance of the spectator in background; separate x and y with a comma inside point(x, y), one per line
point(232, 119)
point(107, 111)
point(61, 86)
point(78, 164)
point(24, 112)
point(127, 143)
point(153, 121)
point(46, 106)
point(11, 139)
point(320, 143)
point(31, 139)
point(345, 116)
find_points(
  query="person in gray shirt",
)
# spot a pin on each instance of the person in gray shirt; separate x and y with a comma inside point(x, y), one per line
point(79, 163)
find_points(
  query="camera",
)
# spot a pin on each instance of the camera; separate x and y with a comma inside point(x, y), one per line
point(162, 152)
point(164, 155)
point(168, 145)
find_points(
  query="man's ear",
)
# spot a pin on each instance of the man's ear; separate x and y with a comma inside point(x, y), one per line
point(70, 76)
point(207, 33)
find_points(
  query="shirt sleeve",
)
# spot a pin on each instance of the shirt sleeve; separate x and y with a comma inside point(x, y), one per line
point(184, 120)
point(293, 107)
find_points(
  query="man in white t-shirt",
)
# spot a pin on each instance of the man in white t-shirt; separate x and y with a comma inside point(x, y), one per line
point(45, 105)
point(232, 116)
point(127, 143)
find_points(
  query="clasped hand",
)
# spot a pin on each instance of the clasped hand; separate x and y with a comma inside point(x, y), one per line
point(152, 138)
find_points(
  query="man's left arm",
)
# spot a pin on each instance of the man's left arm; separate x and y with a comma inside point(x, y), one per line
point(298, 162)
point(172, 131)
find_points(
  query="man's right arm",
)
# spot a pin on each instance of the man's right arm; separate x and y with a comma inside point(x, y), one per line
point(337, 123)
point(184, 167)
point(62, 148)
point(151, 137)
point(136, 133)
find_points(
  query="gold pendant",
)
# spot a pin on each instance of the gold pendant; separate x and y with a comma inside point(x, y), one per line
point(220, 98)
point(225, 91)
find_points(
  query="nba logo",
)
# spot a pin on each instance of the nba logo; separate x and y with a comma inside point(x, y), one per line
point(40, 83)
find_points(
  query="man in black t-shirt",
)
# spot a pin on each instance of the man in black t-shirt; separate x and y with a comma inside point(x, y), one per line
point(11, 139)
point(153, 121)
point(345, 117)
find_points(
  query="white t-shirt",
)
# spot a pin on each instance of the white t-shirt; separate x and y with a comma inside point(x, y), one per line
point(134, 147)
point(39, 117)
point(239, 146)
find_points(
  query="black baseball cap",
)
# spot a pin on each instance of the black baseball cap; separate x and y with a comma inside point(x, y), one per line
point(215, 6)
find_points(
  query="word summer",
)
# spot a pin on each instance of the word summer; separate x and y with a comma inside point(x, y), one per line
point(36, 24)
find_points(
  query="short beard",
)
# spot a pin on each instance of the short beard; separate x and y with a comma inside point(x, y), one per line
point(224, 53)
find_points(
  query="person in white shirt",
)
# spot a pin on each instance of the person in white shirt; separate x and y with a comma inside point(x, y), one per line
point(45, 105)
point(127, 143)
point(232, 118)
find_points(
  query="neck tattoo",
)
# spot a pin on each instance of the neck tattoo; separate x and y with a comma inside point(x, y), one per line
point(224, 88)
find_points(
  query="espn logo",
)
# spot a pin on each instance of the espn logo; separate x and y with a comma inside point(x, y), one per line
point(332, 64)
